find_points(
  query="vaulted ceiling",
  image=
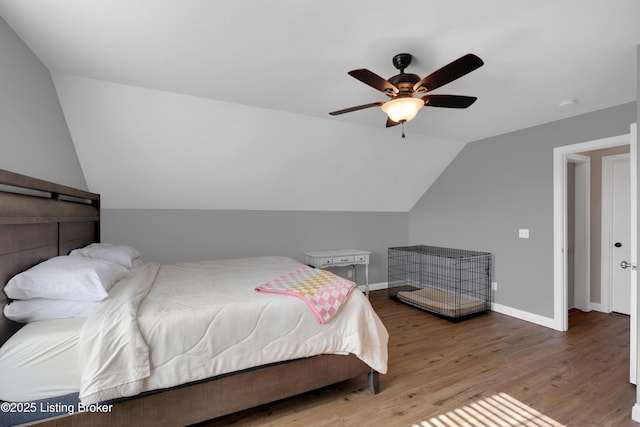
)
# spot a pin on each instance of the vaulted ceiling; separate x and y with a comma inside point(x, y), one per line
point(223, 104)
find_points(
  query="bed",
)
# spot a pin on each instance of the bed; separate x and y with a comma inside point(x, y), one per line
point(52, 220)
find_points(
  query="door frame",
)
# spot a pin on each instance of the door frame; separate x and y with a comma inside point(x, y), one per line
point(582, 232)
point(560, 159)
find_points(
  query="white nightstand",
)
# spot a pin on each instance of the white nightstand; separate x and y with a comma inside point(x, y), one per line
point(341, 258)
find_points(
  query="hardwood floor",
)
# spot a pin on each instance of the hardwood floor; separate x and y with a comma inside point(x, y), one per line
point(491, 370)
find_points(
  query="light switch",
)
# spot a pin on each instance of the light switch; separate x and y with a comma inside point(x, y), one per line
point(523, 233)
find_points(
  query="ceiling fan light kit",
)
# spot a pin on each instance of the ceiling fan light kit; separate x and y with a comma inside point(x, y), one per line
point(402, 110)
point(401, 88)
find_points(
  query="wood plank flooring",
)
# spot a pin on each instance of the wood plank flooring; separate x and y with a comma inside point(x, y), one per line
point(491, 370)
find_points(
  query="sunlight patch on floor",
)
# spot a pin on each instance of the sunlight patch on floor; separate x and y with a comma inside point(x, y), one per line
point(500, 410)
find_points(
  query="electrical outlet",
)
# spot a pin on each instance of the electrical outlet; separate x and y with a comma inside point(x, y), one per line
point(494, 286)
point(523, 233)
point(350, 274)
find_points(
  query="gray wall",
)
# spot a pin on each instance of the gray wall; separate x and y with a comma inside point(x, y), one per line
point(34, 138)
point(189, 235)
point(498, 185)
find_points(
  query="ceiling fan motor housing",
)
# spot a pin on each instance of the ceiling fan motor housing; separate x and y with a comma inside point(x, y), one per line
point(403, 81)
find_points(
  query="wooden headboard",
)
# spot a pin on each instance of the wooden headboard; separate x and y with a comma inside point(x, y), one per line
point(40, 220)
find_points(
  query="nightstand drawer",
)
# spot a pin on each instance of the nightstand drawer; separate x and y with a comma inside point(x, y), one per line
point(324, 261)
point(343, 259)
point(362, 258)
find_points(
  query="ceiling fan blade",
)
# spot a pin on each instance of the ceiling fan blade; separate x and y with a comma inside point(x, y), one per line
point(359, 107)
point(375, 81)
point(391, 123)
point(448, 101)
point(450, 72)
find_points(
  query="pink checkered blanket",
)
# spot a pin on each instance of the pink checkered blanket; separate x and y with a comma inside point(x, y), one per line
point(321, 290)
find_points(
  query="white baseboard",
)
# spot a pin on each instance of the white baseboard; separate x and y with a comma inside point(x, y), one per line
point(498, 308)
point(635, 412)
point(375, 286)
point(524, 315)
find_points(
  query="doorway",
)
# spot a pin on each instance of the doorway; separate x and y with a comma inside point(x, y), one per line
point(563, 156)
point(599, 228)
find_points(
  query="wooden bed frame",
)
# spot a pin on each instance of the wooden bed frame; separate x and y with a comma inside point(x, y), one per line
point(40, 220)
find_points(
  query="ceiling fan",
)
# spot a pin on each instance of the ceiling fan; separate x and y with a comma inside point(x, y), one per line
point(401, 88)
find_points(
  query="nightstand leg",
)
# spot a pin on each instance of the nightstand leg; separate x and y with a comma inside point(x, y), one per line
point(353, 270)
point(366, 279)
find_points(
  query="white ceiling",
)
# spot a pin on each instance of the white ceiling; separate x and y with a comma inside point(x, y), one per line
point(293, 56)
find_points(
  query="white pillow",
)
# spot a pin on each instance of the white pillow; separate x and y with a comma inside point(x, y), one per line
point(119, 254)
point(32, 310)
point(66, 277)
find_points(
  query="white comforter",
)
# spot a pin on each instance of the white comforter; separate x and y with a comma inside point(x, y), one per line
point(166, 325)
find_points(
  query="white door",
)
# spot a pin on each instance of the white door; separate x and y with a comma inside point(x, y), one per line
point(620, 237)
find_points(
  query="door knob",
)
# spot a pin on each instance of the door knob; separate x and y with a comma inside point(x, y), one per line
point(625, 264)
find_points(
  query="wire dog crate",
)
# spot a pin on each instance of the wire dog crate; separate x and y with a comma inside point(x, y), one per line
point(452, 283)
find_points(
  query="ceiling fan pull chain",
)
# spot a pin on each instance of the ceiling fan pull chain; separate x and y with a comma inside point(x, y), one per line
point(402, 123)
